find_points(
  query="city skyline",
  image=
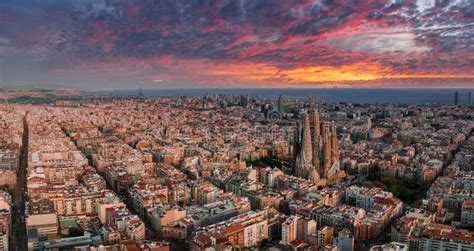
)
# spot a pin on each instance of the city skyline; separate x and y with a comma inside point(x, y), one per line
point(226, 172)
point(237, 44)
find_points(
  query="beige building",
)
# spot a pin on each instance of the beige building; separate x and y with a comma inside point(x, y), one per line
point(324, 236)
point(288, 230)
point(45, 224)
point(164, 215)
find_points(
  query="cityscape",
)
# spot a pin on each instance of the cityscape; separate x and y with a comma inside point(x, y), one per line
point(224, 172)
point(281, 125)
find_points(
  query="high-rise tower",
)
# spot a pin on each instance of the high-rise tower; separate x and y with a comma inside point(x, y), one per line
point(469, 98)
point(281, 105)
point(244, 100)
point(456, 98)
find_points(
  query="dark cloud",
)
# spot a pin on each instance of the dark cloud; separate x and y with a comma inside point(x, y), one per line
point(402, 37)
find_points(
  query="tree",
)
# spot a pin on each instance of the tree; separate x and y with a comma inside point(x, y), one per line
point(75, 231)
point(88, 151)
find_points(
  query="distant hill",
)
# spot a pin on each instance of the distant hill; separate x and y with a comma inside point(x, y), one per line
point(36, 87)
point(35, 93)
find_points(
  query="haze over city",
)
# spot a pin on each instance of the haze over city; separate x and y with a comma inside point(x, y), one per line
point(214, 44)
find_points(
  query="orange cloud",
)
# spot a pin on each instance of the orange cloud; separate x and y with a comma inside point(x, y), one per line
point(252, 72)
point(263, 72)
point(316, 74)
point(352, 72)
point(405, 76)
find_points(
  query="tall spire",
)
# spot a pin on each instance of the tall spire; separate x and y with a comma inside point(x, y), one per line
point(297, 140)
point(316, 149)
point(310, 104)
point(326, 150)
point(334, 146)
point(307, 147)
point(315, 138)
point(303, 163)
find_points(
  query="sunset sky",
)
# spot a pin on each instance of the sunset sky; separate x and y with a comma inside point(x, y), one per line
point(115, 44)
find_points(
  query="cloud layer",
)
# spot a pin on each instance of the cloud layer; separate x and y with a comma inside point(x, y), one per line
point(236, 43)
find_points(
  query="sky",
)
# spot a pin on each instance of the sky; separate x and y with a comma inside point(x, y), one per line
point(117, 44)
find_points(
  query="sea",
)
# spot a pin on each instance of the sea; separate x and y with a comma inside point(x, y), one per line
point(337, 95)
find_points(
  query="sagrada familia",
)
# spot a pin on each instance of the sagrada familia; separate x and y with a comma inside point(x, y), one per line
point(316, 150)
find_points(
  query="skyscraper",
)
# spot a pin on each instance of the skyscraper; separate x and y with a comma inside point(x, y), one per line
point(316, 149)
point(244, 100)
point(456, 98)
point(281, 105)
point(469, 98)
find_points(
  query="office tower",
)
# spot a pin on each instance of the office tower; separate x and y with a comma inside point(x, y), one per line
point(456, 98)
point(140, 93)
point(244, 100)
point(281, 105)
point(224, 104)
point(469, 98)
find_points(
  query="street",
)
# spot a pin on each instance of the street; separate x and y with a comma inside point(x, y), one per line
point(19, 238)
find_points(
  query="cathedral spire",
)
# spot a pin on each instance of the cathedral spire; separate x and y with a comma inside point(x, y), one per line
point(317, 152)
point(326, 150)
point(334, 146)
point(315, 139)
point(307, 147)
